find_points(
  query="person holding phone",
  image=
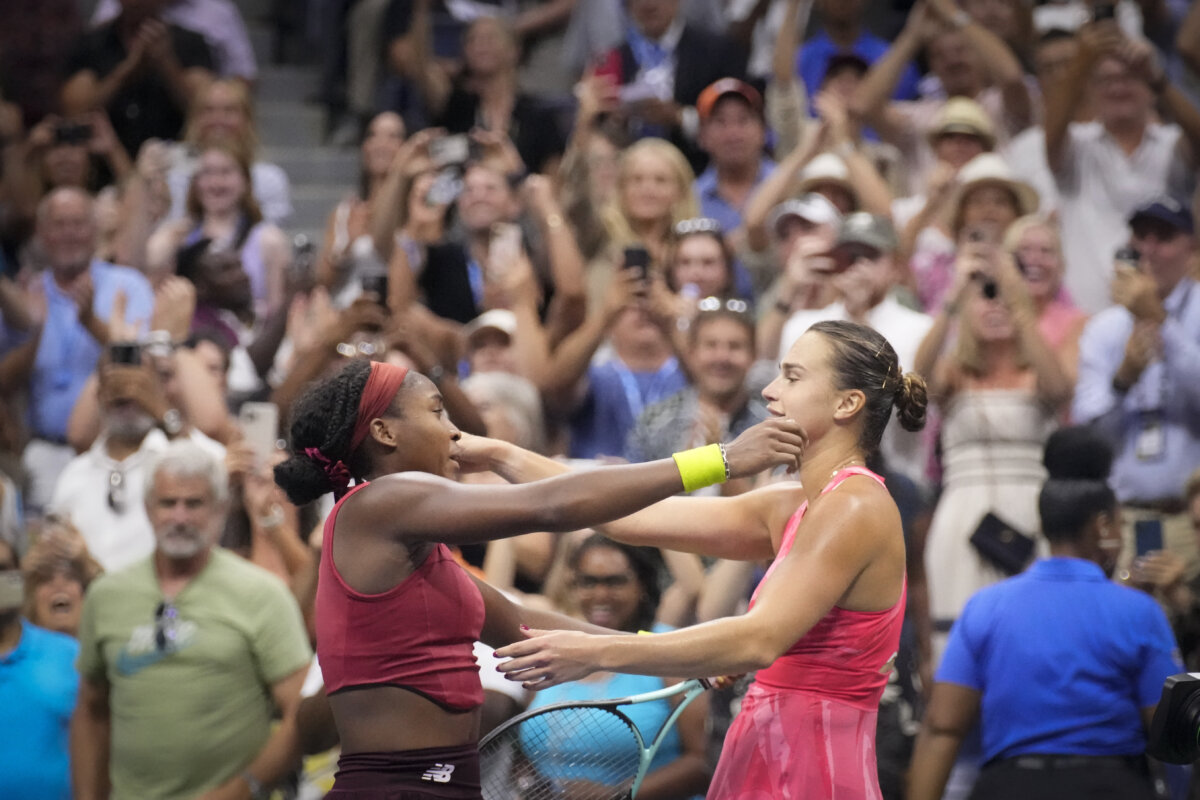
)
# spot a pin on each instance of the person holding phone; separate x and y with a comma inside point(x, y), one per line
point(385, 558)
point(1139, 373)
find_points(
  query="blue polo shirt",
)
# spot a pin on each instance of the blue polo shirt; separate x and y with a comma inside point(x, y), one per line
point(38, 684)
point(616, 397)
point(816, 52)
point(1064, 658)
point(67, 353)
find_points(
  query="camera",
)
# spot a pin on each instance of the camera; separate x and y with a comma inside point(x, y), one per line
point(126, 353)
point(1128, 256)
point(74, 133)
point(1175, 729)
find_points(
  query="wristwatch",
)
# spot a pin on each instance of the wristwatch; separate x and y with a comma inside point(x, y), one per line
point(257, 790)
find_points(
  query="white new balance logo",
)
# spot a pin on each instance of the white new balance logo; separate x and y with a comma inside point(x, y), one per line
point(438, 773)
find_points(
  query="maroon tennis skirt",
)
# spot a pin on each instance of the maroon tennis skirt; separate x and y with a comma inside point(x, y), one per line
point(435, 773)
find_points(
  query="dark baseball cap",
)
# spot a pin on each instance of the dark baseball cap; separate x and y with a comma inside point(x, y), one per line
point(1166, 210)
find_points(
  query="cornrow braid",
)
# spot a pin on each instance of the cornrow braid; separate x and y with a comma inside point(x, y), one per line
point(323, 418)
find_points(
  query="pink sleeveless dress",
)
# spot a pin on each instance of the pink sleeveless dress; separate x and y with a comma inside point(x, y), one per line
point(806, 728)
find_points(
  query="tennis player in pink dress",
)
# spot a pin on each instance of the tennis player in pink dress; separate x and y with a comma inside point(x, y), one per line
point(824, 625)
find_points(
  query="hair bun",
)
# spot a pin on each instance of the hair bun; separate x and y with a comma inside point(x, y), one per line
point(302, 479)
point(1077, 453)
point(911, 401)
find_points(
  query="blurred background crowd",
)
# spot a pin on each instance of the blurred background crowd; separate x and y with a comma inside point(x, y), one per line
point(596, 225)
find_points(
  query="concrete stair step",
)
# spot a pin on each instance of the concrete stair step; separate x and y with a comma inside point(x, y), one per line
point(289, 124)
point(285, 82)
point(324, 165)
point(312, 204)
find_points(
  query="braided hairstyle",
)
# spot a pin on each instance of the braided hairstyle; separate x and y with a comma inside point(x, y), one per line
point(324, 418)
point(864, 360)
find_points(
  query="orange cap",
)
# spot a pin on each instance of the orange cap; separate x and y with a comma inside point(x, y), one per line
point(718, 89)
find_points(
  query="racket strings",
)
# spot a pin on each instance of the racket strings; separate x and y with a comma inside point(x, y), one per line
point(581, 753)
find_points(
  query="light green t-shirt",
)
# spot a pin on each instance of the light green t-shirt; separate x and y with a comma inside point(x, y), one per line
point(189, 715)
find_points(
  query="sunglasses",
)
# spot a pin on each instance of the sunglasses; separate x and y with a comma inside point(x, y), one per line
point(734, 304)
point(686, 227)
point(608, 581)
point(365, 349)
point(166, 627)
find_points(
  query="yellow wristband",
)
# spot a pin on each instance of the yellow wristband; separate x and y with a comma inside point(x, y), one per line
point(645, 633)
point(701, 466)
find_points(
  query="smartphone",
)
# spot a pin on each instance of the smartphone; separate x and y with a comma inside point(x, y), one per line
point(127, 353)
point(376, 283)
point(637, 258)
point(75, 133)
point(445, 189)
point(1128, 256)
point(504, 246)
point(449, 150)
point(260, 426)
point(1148, 535)
point(1103, 11)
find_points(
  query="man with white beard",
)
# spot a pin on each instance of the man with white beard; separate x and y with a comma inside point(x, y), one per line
point(186, 656)
point(100, 490)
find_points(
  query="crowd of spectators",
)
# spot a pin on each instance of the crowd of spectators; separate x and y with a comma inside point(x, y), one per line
point(596, 225)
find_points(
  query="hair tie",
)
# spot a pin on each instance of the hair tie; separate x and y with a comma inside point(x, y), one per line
point(336, 471)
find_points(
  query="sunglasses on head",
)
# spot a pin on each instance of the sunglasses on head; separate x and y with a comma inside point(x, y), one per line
point(687, 227)
point(734, 304)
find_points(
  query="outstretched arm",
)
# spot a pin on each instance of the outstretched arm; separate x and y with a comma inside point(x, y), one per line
point(737, 528)
point(421, 507)
point(820, 570)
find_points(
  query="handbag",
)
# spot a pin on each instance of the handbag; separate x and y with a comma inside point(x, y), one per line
point(1002, 545)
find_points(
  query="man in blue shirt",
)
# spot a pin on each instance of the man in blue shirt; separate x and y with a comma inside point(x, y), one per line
point(843, 33)
point(81, 295)
point(733, 133)
point(1139, 373)
point(38, 684)
point(1061, 667)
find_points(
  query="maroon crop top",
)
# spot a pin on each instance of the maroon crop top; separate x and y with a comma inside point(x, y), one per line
point(418, 635)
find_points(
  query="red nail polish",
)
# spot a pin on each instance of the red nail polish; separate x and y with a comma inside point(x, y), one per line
point(524, 627)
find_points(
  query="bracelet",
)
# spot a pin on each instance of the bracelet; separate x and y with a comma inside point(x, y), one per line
point(645, 633)
point(554, 221)
point(724, 458)
point(702, 466)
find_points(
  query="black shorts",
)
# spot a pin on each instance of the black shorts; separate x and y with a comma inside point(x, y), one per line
point(435, 773)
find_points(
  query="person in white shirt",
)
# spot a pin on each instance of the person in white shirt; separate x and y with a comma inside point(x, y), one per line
point(101, 490)
point(865, 274)
point(1104, 170)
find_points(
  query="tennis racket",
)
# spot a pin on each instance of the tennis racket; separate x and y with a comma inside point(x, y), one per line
point(576, 750)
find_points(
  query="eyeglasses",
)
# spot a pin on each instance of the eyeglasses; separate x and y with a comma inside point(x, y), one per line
point(166, 627)
point(686, 227)
point(117, 494)
point(618, 581)
point(734, 304)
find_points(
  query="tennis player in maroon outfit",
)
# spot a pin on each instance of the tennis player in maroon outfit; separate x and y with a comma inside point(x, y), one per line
point(396, 616)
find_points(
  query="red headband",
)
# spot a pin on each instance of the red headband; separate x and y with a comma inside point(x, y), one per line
point(382, 385)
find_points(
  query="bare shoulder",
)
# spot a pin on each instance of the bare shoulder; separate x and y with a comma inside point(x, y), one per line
point(861, 506)
point(380, 506)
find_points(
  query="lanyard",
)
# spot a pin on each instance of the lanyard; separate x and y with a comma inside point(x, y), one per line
point(475, 277)
point(634, 398)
